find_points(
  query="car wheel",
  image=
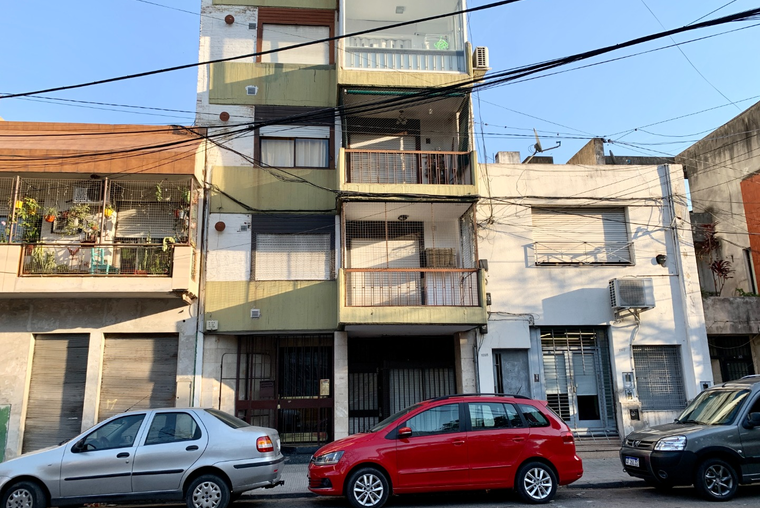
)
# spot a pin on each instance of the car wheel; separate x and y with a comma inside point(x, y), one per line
point(367, 488)
point(208, 491)
point(24, 495)
point(716, 480)
point(536, 483)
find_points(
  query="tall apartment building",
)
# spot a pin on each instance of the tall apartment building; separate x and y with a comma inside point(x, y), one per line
point(342, 279)
point(99, 275)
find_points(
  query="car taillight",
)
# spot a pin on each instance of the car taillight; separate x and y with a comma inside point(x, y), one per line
point(568, 438)
point(264, 444)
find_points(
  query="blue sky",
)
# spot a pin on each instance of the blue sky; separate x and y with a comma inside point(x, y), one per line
point(52, 43)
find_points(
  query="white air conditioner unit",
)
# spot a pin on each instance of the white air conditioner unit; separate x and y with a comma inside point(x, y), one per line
point(480, 58)
point(632, 293)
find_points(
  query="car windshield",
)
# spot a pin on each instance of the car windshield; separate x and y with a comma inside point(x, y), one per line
point(230, 420)
point(714, 407)
point(380, 426)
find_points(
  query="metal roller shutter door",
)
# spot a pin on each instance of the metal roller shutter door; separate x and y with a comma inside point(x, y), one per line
point(138, 373)
point(56, 392)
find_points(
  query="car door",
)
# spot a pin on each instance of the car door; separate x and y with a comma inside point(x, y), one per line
point(495, 441)
point(174, 442)
point(750, 439)
point(435, 455)
point(101, 462)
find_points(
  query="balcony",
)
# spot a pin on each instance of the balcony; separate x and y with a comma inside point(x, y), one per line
point(108, 238)
point(414, 265)
point(428, 46)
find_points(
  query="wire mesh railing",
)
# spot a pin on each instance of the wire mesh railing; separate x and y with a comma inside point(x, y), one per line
point(413, 167)
point(78, 259)
point(412, 287)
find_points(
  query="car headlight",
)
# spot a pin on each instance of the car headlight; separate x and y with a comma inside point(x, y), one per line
point(328, 458)
point(671, 444)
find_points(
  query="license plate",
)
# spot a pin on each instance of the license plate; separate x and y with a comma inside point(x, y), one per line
point(632, 461)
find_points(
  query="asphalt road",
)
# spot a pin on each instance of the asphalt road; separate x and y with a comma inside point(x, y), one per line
point(682, 497)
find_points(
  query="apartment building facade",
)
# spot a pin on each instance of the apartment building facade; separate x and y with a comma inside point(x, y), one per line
point(594, 299)
point(99, 230)
point(342, 279)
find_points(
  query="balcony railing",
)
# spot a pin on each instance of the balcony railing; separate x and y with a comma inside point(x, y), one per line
point(578, 253)
point(411, 287)
point(82, 259)
point(390, 58)
point(414, 167)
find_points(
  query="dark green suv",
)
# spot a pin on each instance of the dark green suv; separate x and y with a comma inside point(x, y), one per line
point(714, 444)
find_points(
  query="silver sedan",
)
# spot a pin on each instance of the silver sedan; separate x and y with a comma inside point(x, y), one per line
point(203, 456)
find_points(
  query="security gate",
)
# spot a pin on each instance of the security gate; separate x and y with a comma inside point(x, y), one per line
point(286, 382)
point(578, 379)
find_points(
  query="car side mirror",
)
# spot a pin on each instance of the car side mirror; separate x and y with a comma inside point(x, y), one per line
point(404, 432)
point(752, 421)
point(78, 446)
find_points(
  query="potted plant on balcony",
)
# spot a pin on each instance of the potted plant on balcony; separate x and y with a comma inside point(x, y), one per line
point(108, 211)
point(50, 214)
point(28, 220)
point(76, 218)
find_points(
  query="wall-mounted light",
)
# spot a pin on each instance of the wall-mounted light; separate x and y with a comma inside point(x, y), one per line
point(661, 259)
point(400, 9)
point(229, 19)
point(224, 116)
point(402, 218)
point(219, 226)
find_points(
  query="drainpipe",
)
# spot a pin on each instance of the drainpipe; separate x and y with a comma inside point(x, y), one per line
point(195, 397)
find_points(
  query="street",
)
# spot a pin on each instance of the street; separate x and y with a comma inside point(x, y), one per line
point(570, 497)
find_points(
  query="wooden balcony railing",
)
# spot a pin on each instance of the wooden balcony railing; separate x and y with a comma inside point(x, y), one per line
point(83, 259)
point(415, 167)
point(403, 287)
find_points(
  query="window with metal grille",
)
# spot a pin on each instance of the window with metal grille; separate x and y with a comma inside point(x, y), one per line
point(659, 377)
point(580, 236)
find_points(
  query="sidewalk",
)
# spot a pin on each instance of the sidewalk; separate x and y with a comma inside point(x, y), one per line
point(599, 473)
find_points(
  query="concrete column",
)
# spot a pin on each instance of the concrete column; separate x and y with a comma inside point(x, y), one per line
point(464, 356)
point(94, 376)
point(340, 385)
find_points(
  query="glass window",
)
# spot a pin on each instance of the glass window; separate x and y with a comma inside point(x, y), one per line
point(118, 433)
point(513, 416)
point(228, 419)
point(716, 407)
point(488, 415)
point(437, 420)
point(276, 36)
point(172, 427)
point(295, 153)
point(533, 416)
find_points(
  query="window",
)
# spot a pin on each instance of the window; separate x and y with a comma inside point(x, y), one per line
point(437, 420)
point(581, 236)
point(658, 377)
point(171, 428)
point(294, 247)
point(118, 433)
point(282, 36)
point(513, 416)
point(295, 153)
point(533, 416)
point(488, 415)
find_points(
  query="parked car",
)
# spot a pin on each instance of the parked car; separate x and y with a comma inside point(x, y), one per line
point(203, 456)
point(714, 444)
point(458, 442)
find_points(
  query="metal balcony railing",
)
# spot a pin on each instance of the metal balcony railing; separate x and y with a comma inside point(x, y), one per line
point(415, 167)
point(82, 259)
point(401, 59)
point(404, 287)
point(578, 253)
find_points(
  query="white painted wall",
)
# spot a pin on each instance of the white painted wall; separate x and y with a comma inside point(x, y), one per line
point(229, 251)
point(525, 295)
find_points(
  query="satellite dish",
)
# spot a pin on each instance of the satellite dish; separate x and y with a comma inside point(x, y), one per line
point(537, 147)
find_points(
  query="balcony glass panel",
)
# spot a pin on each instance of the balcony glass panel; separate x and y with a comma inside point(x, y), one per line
point(428, 46)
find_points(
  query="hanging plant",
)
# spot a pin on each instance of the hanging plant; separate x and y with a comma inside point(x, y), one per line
point(50, 214)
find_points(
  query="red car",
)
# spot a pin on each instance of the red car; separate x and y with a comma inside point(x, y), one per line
point(458, 442)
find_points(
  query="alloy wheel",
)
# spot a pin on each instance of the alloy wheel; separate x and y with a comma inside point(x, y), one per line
point(718, 480)
point(20, 498)
point(368, 490)
point(538, 483)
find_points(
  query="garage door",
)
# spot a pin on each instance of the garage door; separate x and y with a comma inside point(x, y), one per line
point(139, 372)
point(56, 392)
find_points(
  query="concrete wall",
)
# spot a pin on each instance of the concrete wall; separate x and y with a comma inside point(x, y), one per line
point(526, 296)
point(21, 320)
point(715, 167)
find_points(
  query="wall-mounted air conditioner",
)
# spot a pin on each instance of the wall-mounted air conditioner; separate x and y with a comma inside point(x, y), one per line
point(480, 58)
point(632, 293)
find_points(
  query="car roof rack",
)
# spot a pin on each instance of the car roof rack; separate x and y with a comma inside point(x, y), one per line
point(444, 397)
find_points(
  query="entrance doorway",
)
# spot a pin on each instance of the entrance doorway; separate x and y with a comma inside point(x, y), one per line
point(386, 375)
point(731, 357)
point(578, 380)
point(286, 382)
